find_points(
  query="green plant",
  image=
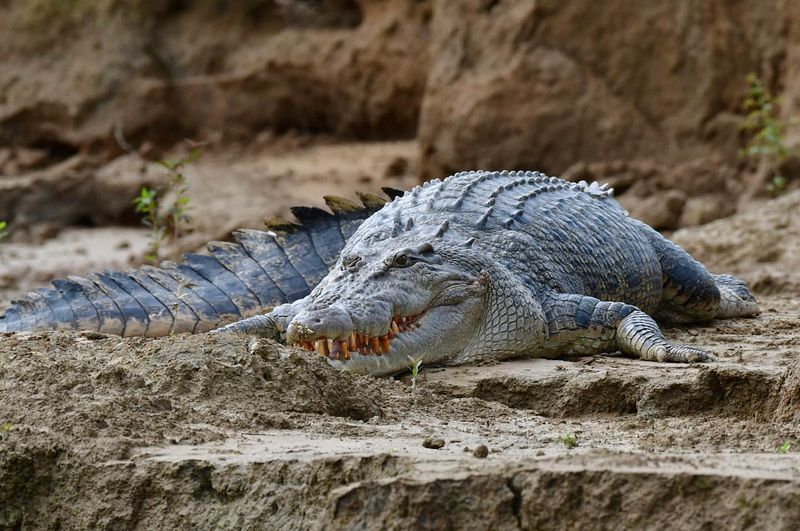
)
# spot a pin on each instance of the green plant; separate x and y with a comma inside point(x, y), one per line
point(5, 429)
point(785, 447)
point(3, 229)
point(767, 143)
point(177, 210)
point(166, 219)
point(147, 204)
point(415, 365)
point(569, 440)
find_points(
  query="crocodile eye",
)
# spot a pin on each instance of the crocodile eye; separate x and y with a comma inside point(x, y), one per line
point(401, 260)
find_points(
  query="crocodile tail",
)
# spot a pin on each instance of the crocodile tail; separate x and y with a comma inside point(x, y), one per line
point(257, 271)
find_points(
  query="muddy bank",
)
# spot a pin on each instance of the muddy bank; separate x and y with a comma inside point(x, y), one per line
point(198, 430)
point(185, 431)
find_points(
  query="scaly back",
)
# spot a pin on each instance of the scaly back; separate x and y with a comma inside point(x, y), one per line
point(555, 235)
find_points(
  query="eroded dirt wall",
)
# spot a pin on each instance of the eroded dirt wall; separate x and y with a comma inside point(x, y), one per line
point(508, 83)
point(75, 73)
point(551, 83)
point(647, 97)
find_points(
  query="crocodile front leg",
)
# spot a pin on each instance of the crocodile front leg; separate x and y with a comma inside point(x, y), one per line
point(582, 325)
point(270, 325)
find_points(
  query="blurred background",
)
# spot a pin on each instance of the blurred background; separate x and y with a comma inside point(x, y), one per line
point(218, 114)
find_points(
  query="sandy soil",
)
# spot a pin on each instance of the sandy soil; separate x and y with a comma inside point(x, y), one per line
point(195, 431)
point(198, 431)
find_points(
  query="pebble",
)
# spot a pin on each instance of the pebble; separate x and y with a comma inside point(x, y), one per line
point(434, 443)
point(481, 451)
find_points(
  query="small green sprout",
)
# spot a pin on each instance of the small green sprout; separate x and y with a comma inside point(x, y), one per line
point(5, 429)
point(415, 365)
point(705, 483)
point(785, 447)
point(569, 440)
point(177, 211)
point(3, 229)
point(147, 204)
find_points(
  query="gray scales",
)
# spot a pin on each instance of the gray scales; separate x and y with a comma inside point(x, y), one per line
point(480, 266)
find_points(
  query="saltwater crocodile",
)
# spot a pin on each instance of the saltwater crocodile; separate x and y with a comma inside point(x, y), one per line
point(480, 266)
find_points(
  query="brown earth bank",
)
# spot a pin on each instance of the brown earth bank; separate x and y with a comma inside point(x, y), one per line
point(647, 96)
point(201, 431)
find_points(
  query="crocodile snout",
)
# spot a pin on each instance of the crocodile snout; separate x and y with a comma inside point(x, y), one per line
point(331, 322)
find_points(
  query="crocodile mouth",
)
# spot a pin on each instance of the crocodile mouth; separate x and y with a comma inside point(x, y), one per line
point(340, 348)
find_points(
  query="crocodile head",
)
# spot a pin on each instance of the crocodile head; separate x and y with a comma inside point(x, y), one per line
point(394, 300)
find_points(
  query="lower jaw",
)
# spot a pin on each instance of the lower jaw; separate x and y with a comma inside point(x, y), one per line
point(388, 364)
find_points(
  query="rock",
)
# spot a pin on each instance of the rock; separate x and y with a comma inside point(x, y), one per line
point(706, 208)
point(14, 160)
point(434, 443)
point(481, 451)
point(37, 196)
point(118, 182)
point(660, 210)
point(73, 192)
point(548, 85)
point(160, 74)
point(397, 167)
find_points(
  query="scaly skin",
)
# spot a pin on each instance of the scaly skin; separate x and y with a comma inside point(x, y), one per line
point(494, 265)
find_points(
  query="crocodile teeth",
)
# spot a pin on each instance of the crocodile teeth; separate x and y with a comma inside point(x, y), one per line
point(338, 350)
point(321, 345)
point(375, 345)
point(341, 348)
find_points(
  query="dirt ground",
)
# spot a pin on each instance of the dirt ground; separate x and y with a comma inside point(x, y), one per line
point(209, 432)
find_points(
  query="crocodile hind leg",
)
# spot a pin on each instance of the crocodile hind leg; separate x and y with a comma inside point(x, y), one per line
point(690, 293)
point(582, 325)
